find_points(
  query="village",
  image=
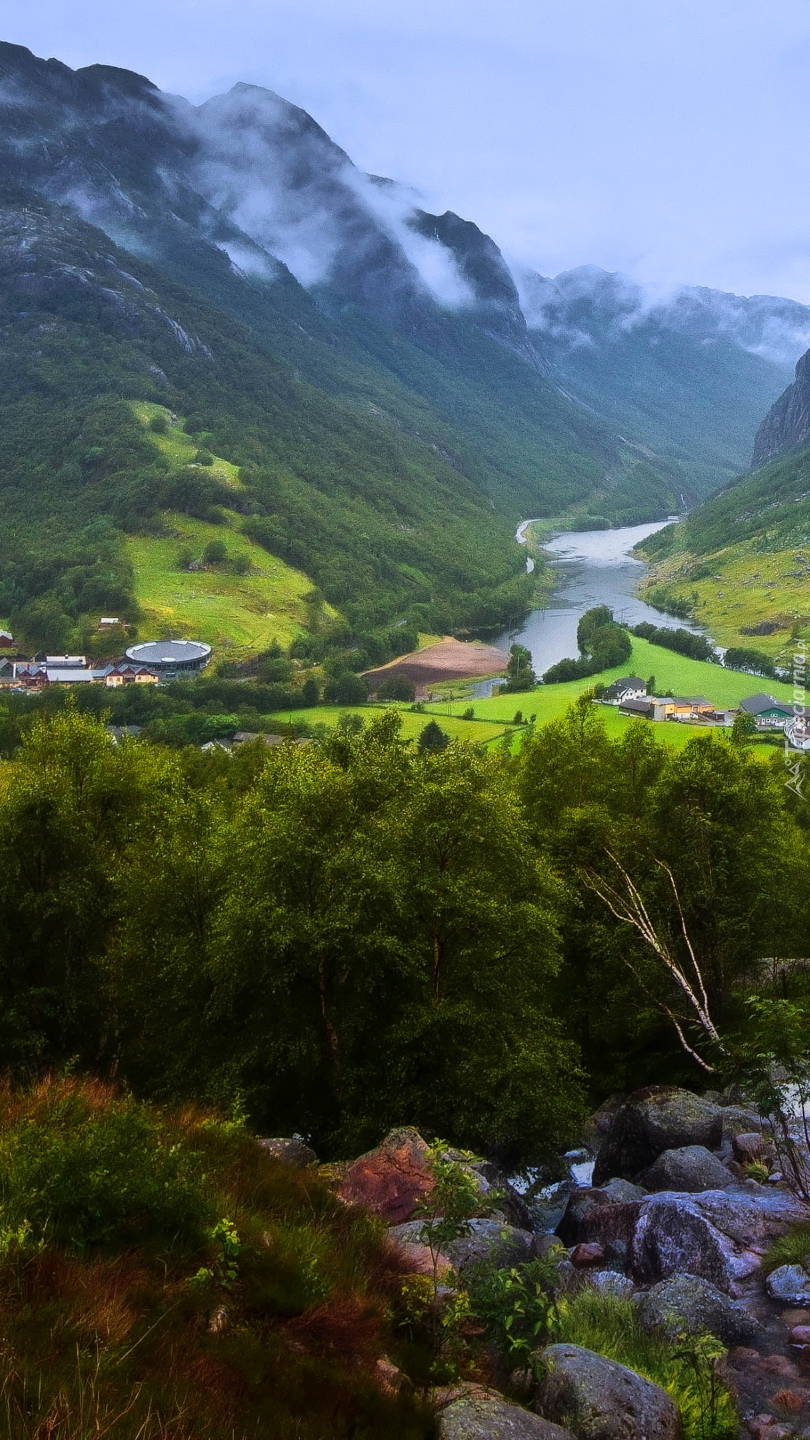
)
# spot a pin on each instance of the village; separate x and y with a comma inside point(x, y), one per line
point(147, 663)
point(769, 715)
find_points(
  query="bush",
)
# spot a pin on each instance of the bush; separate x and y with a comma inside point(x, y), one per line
point(86, 1169)
point(203, 457)
point(215, 552)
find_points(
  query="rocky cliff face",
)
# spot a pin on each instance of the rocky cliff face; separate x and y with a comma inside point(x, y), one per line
point(787, 424)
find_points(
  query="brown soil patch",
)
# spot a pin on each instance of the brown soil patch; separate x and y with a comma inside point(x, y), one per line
point(448, 660)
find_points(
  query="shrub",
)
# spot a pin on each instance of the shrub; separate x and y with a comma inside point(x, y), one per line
point(215, 552)
point(790, 1249)
point(87, 1169)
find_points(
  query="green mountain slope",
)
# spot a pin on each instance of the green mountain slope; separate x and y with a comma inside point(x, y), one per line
point(383, 523)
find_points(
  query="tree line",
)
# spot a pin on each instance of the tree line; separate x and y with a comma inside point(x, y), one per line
point(340, 936)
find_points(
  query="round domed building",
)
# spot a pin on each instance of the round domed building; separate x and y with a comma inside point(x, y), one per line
point(171, 658)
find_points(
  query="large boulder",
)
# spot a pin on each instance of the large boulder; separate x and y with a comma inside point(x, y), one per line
point(651, 1121)
point(601, 1400)
point(720, 1235)
point(482, 1415)
point(687, 1304)
point(392, 1179)
point(691, 1168)
point(488, 1240)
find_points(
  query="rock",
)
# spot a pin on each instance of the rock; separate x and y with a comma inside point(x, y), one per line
point(610, 1282)
point(292, 1151)
point(586, 1254)
point(790, 1283)
point(623, 1192)
point(483, 1415)
point(490, 1240)
point(737, 1121)
point(751, 1146)
point(601, 1400)
point(548, 1205)
point(548, 1245)
point(800, 1335)
point(686, 1304)
point(388, 1376)
point(392, 1179)
point(599, 1215)
point(420, 1259)
point(720, 1235)
point(651, 1121)
point(692, 1168)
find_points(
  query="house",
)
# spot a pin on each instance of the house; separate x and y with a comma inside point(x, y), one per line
point(769, 713)
point(685, 707)
point(628, 687)
point(67, 662)
point(55, 675)
point(641, 708)
point(113, 676)
point(107, 621)
point(6, 640)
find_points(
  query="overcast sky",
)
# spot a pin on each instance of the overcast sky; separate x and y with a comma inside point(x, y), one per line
point(664, 138)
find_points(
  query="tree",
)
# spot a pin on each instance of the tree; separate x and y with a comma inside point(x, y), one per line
point(519, 671)
point(593, 620)
point(743, 728)
point(433, 737)
point(399, 687)
point(310, 693)
point(346, 689)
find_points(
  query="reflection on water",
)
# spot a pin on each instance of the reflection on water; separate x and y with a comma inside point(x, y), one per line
point(595, 567)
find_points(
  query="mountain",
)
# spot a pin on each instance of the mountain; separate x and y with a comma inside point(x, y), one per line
point(787, 424)
point(395, 398)
point(685, 370)
point(739, 560)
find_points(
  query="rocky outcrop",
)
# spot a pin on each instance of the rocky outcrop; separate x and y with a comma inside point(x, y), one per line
point(601, 1400)
point(787, 424)
point(651, 1121)
point(692, 1168)
point(483, 1415)
point(687, 1304)
point(392, 1179)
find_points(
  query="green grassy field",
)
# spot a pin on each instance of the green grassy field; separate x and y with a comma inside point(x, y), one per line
point(413, 723)
point(746, 586)
point(548, 702)
point(237, 614)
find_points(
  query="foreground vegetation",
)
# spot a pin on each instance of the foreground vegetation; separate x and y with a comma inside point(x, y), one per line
point(162, 1274)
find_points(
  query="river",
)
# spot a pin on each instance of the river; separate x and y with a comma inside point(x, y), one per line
point(595, 567)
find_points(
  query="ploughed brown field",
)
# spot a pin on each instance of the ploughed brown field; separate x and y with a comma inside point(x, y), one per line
point(448, 660)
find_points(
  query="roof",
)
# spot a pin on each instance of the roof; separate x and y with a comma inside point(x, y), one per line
point(66, 662)
point(691, 700)
point(69, 677)
point(639, 707)
point(632, 682)
point(168, 652)
point(760, 703)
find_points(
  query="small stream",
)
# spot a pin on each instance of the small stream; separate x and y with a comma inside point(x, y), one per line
point(595, 567)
